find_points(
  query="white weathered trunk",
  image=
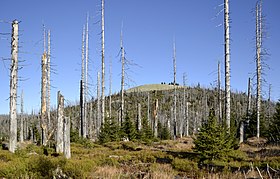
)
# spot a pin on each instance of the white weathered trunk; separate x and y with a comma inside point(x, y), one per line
point(60, 119)
point(241, 132)
point(249, 98)
point(21, 118)
point(110, 91)
point(148, 110)
point(186, 107)
point(103, 64)
point(13, 88)
point(122, 81)
point(139, 117)
point(258, 62)
point(98, 105)
point(82, 94)
point(43, 99)
point(219, 94)
point(86, 86)
point(90, 120)
point(227, 62)
point(66, 138)
point(156, 118)
point(49, 81)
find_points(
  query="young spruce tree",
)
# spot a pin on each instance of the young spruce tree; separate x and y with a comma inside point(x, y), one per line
point(213, 142)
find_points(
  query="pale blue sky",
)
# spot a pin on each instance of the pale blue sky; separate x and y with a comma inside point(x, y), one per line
point(149, 29)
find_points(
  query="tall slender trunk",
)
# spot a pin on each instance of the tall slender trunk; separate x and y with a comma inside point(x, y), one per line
point(148, 109)
point(43, 99)
point(21, 118)
point(60, 120)
point(98, 105)
point(258, 61)
point(249, 98)
point(86, 85)
point(122, 81)
point(139, 118)
point(219, 94)
point(185, 106)
point(82, 94)
point(81, 131)
point(13, 88)
point(90, 120)
point(103, 64)
point(175, 92)
point(66, 138)
point(49, 81)
point(156, 118)
point(227, 62)
point(110, 91)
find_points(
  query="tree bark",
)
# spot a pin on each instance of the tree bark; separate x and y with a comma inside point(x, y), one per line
point(122, 81)
point(13, 88)
point(43, 100)
point(258, 62)
point(219, 94)
point(60, 121)
point(103, 64)
point(175, 92)
point(139, 117)
point(66, 138)
point(21, 118)
point(156, 118)
point(227, 62)
point(49, 81)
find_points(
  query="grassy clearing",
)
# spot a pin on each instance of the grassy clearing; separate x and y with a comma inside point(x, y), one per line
point(164, 159)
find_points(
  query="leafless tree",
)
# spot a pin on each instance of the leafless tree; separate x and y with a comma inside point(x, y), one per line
point(13, 88)
point(227, 61)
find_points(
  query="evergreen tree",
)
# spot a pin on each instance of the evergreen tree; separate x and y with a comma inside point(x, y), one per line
point(128, 129)
point(252, 128)
point(164, 133)
point(213, 141)
point(146, 133)
point(109, 132)
point(274, 133)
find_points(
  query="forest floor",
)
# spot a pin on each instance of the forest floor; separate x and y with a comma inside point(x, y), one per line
point(163, 159)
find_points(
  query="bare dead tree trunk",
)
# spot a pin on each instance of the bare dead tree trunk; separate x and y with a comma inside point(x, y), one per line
point(86, 86)
point(43, 99)
point(186, 106)
point(219, 94)
point(66, 138)
point(98, 105)
point(21, 118)
point(249, 98)
point(103, 65)
point(81, 109)
point(148, 110)
point(49, 81)
point(175, 92)
point(60, 121)
point(241, 132)
point(82, 94)
point(90, 120)
point(139, 117)
point(122, 81)
point(156, 118)
point(227, 62)
point(258, 61)
point(110, 91)
point(13, 88)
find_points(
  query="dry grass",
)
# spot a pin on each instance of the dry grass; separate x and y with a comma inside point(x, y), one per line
point(107, 172)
